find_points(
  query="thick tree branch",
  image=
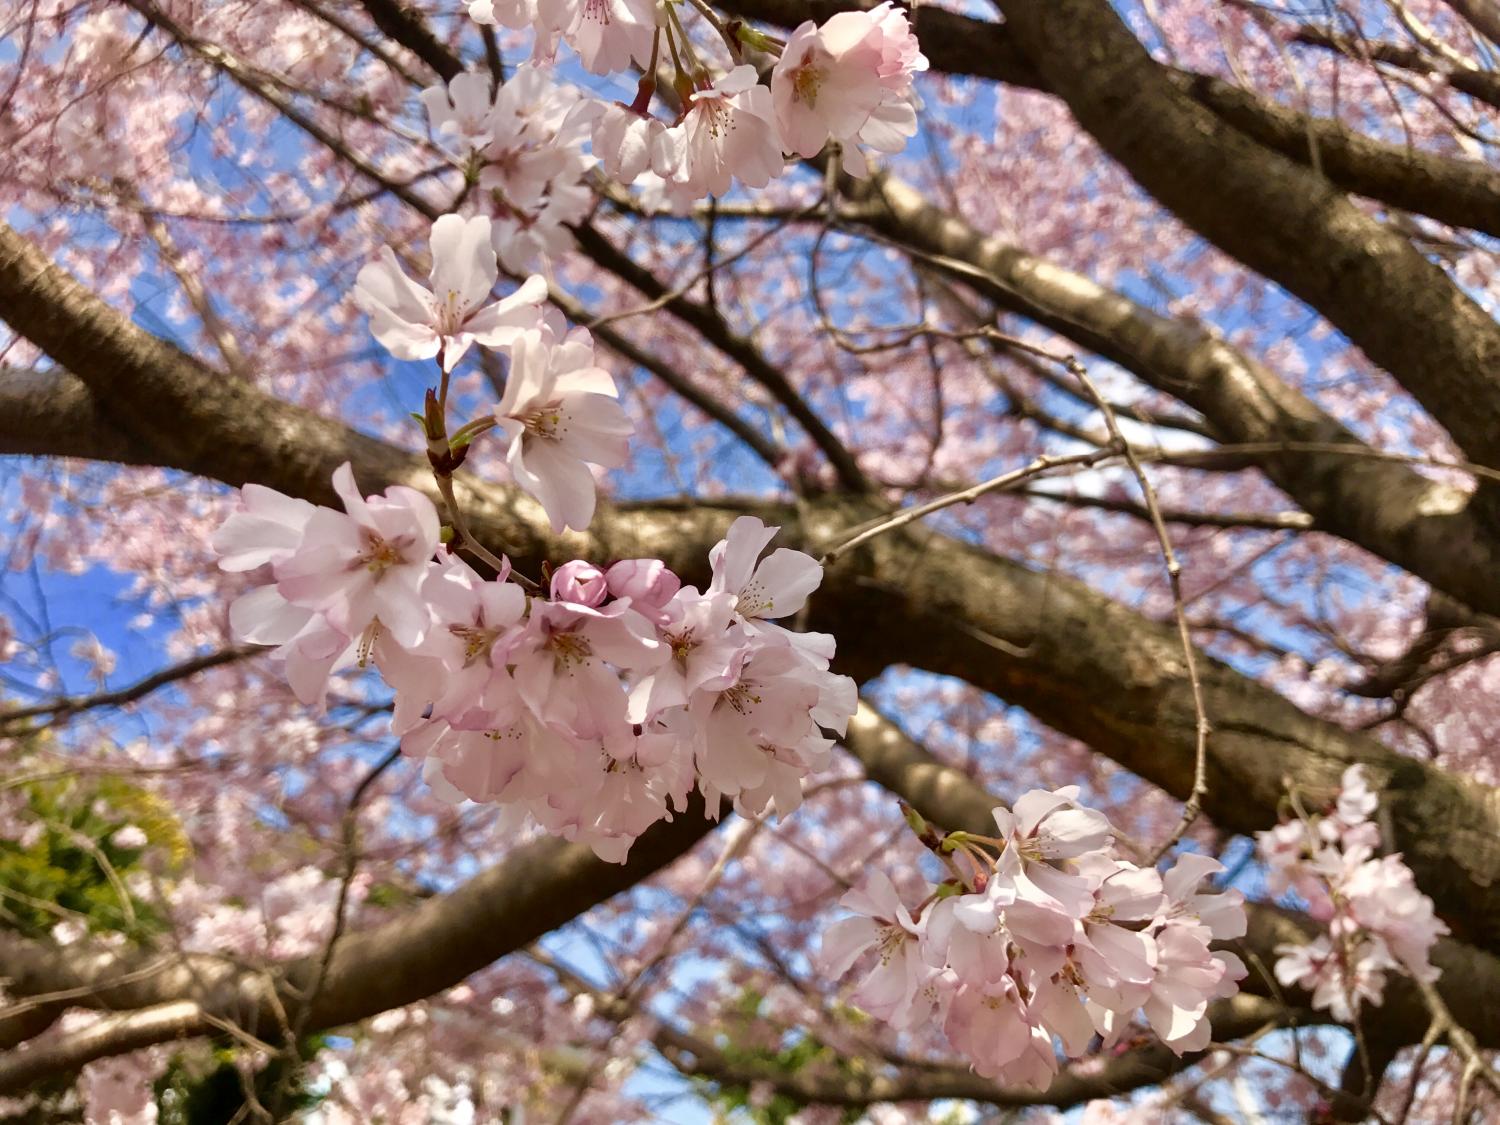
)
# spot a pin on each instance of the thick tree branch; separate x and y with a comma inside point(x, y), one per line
point(1079, 661)
point(52, 414)
point(1277, 217)
point(1460, 192)
point(541, 886)
point(1385, 507)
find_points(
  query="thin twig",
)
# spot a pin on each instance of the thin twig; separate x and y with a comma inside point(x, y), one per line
point(1038, 467)
point(340, 914)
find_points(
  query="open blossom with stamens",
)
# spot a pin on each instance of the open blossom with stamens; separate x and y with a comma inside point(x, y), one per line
point(881, 924)
point(413, 322)
point(607, 34)
point(728, 131)
point(559, 414)
point(848, 81)
point(366, 563)
point(338, 576)
point(826, 84)
point(763, 589)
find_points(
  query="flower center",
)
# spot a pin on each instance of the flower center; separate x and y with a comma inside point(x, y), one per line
point(379, 554)
point(741, 697)
point(543, 421)
point(477, 641)
point(569, 649)
point(806, 79)
point(754, 601)
point(450, 313)
point(681, 644)
point(891, 939)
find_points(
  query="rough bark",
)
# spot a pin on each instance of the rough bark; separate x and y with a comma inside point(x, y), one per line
point(1384, 506)
point(1463, 193)
point(1277, 217)
point(1077, 660)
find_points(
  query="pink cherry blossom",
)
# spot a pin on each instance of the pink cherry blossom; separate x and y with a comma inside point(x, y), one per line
point(764, 589)
point(728, 131)
point(412, 322)
point(607, 34)
point(579, 582)
point(648, 584)
point(827, 82)
point(882, 924)
point(560, 413)
point(461, 111)
point(628, 142)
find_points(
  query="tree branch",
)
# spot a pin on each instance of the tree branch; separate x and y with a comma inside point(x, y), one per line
point(1077, 660)
point(1277, 217)
point(1460, 192)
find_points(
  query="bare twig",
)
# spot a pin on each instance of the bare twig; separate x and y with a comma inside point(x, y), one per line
point(1038, 467)
point(72, 705)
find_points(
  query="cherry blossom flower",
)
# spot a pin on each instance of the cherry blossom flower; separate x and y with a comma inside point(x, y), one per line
point(704, 652)
point(1340, 980)
point(763, 589)
point(412, 322)
point(990, 1024)
point(607, 34)
point(826, 83)
point(648, 584)
point(629, 141)
point(366, 563)
point(765, 712)
point(559, 414)
point(474, 625)
point(567, 666)
point(728, 132)
point(265, 527)
point(462, 110)
point(882, 923)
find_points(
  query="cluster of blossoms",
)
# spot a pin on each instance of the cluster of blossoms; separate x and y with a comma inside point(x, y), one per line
point(1052, 935)
point(848, 82)
point(592, 709)
point(1378, 921)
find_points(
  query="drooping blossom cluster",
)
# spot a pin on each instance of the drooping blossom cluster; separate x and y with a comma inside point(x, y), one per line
point(593, 708)
point(1043, 932)
point(1378, 921)
point(848, 81)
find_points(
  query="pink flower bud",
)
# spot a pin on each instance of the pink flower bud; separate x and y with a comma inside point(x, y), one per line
point(644, 581)
point(579, 582)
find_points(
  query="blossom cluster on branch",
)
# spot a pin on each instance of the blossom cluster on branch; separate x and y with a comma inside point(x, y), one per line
point(1378, 921)
point(593, 708)
point(846, 82)
point(1042, 931)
